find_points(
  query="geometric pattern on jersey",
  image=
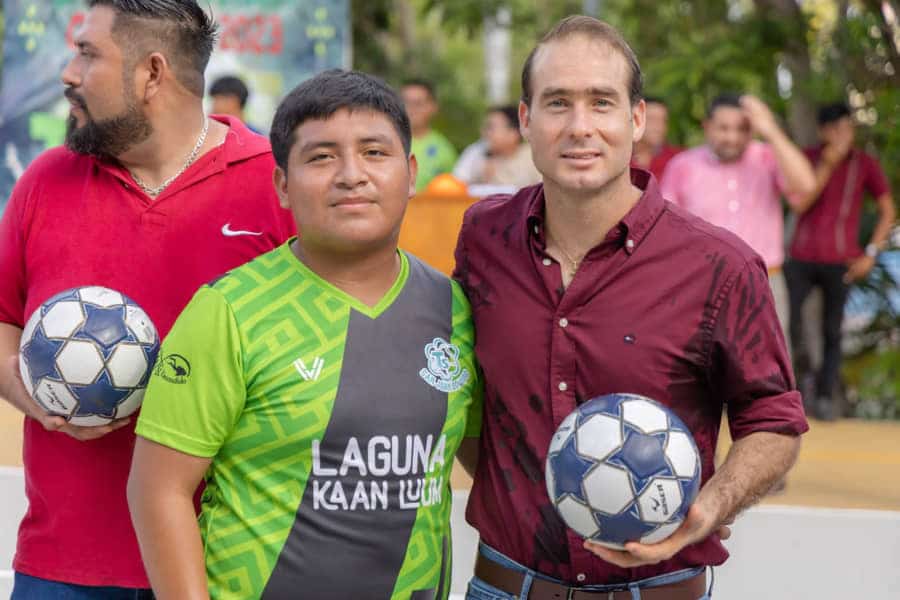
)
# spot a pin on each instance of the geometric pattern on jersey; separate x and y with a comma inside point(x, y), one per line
point(281, 317)
point(421, 566)
point(280, 311)
point(379, 396)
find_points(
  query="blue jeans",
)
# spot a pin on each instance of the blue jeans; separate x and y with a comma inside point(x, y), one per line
point(479, 590)
point(26, 587)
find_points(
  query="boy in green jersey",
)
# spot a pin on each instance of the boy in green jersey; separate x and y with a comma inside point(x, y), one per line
point(321, 390)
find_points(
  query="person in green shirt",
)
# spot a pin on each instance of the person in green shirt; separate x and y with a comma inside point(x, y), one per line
point(320, 390)
point(434, 152)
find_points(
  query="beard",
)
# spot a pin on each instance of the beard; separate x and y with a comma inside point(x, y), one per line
point(729, 154)
point(107, 138)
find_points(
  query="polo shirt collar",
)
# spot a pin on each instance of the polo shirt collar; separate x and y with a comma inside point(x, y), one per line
point(634, 225)
point(240, 144)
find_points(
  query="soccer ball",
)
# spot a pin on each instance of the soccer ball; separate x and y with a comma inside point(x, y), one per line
point(622, 468)
point(86, 354)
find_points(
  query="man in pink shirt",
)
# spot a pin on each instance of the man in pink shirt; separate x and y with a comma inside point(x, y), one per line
point(736, 182)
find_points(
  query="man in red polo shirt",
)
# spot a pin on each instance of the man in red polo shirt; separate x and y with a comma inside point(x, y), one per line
point(652, 152)
point(151, 198)
point(825, 252)
point(591, 283)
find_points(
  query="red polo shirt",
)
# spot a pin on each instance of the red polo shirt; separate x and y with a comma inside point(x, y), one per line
point(668, 306)
point(828, 232)
point(73, 220)
point(660, 160)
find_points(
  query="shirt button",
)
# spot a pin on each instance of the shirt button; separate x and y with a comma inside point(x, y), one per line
point(629, 244)
point(564, 322)
point(581, 577)
point(547, 262)
point(562, 386)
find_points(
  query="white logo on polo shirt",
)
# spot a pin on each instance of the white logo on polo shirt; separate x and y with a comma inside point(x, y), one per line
point(227, 231)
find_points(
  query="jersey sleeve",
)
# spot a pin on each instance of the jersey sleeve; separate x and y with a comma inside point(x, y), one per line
point(749, 365)
point(464, 338)
point(197, 390)
point(12, 259)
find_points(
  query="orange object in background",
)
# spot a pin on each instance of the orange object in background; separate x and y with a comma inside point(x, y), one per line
point(445, 184)
point(433, 220)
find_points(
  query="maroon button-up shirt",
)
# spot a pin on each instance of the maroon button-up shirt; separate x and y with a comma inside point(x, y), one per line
point(668, 306)
point(827, 232)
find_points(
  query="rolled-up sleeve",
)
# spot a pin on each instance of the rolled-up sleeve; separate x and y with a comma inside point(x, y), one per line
point(749, 366)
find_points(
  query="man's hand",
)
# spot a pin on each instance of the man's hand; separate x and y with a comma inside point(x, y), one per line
point(859, 268)
point(760, 116)
point(18, 395)
point(697, 525)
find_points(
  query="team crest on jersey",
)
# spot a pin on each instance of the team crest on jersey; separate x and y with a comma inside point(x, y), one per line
point(443, 372)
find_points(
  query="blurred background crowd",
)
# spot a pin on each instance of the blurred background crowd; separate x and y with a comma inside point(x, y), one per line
point(827, 70)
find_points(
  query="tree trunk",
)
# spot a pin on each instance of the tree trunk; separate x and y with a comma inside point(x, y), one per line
point(407, 21)
point(802, 106)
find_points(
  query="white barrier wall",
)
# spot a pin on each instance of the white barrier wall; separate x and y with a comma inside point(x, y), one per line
point(777, 552)
point(12, 509)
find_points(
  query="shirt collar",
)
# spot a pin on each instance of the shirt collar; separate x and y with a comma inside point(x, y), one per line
point(240, 144)
point(633, 227)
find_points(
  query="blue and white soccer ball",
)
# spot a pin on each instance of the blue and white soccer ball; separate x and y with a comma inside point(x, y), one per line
point(622, 468)
point(86, 355)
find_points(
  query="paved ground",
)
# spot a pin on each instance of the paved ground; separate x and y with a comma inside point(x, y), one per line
point(848, 464)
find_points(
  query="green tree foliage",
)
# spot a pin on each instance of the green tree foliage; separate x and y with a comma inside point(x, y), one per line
point(794, 54)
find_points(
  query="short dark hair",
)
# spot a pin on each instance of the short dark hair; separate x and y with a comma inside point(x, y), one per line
point(655, 100)
point(320, 97)
point(830, 113)
point(422, 83)
point(510, 112)
point(729, 99)
point(597, 30)
point(229, 85)
point(183, 29)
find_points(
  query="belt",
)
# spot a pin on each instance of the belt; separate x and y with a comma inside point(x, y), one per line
point(510, 581)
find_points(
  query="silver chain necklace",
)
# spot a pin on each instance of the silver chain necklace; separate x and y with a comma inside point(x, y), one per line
point(153, 192)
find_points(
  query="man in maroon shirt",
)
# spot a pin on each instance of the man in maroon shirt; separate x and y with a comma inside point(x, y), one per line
point(825, 252)
point(592, 283)
point(652, 152)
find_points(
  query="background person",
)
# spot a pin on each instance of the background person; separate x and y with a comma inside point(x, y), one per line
point(229, 95)
point(653, 152)
point(434, 152)
point(825, 252)
point(736, 182)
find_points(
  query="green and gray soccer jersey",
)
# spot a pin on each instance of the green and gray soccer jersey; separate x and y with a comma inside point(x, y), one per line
point(332, 427)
